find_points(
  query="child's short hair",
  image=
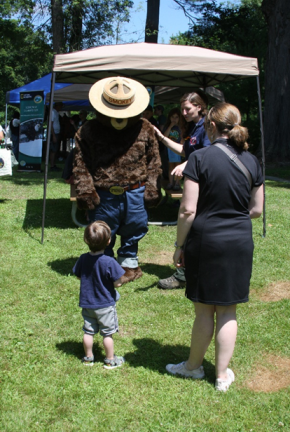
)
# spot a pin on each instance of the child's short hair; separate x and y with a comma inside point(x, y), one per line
point(97, 235)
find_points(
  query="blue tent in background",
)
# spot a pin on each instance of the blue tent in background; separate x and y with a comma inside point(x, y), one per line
point(44, 83)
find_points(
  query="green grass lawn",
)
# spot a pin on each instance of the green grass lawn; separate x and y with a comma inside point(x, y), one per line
point(44, 386)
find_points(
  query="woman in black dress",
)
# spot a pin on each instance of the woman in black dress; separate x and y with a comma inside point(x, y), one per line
point(214, 239)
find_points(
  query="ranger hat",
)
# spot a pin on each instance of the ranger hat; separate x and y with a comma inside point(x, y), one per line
point(119, 97)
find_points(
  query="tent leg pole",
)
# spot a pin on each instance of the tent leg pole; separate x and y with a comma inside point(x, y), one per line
point(263, 153)
point(47, 153)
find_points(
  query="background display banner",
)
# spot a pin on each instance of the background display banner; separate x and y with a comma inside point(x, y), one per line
point(31, 130)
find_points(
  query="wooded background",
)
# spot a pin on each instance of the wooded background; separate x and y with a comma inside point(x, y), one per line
point(32, 31)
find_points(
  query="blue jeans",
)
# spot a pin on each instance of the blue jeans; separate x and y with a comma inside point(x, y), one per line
point(126, 216)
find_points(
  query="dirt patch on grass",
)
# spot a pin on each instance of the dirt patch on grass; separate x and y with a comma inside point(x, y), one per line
point(159, 257)
point(276, 291)
point(271, 375)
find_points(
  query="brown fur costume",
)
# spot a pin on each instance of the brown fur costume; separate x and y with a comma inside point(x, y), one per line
point(105, 157)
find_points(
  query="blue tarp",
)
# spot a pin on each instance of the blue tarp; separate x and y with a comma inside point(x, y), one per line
point(44, 83)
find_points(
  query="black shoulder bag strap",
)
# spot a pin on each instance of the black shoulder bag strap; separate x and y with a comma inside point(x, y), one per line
point(234, 158)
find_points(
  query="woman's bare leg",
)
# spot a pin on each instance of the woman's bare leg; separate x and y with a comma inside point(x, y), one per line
point(225, 338)
point(202, 333)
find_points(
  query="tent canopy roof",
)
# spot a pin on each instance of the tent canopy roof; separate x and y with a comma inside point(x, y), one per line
point(44, 83)
point(154, 64)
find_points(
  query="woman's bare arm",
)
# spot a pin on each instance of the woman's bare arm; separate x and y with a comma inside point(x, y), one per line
point(256, 202)
point(175, 147)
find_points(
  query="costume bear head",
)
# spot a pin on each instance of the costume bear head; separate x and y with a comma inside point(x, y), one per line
point(118, 148)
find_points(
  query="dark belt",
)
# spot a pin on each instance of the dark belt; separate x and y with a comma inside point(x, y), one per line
point(119, 190)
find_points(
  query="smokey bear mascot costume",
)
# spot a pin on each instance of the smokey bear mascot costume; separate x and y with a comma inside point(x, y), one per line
point(117, 167)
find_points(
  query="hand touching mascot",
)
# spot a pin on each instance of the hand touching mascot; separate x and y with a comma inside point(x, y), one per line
point(117, 167)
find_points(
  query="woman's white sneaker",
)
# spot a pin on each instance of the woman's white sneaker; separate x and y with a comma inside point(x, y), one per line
point(180, 369)
point(223, 385)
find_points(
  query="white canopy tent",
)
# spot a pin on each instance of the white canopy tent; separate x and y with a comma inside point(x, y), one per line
point(175, 66)
point(162, 95)
point(154, 64)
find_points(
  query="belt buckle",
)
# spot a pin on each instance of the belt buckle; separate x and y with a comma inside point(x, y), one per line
point(117, 190)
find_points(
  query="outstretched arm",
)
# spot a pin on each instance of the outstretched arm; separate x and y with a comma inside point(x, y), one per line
point(175, 147)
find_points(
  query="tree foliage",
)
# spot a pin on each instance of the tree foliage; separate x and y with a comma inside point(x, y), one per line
point(81, 24)
point(236, 29)
point(31, 31)
point(71, 24)
point(25, 55)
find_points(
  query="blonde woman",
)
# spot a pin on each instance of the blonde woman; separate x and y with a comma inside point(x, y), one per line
point(214, 240)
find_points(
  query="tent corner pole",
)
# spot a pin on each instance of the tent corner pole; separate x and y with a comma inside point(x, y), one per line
point(47, 152)
point(263, 153)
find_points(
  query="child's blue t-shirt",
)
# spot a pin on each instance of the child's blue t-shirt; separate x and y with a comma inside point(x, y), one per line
point(97, 274)
point(174, 135)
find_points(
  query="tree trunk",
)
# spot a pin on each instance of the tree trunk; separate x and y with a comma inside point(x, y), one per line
point(277, 83)
point(76, 30)
point(57, 26)
point(152, 21)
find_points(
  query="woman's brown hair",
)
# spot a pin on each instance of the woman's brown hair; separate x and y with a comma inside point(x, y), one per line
point(227, 119)
point(196, 98)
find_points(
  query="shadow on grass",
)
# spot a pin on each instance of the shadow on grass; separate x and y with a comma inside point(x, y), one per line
point(25, 178)
point(76, 349)
point(28, 178)
point(278, 184)
point(161, 271)
point(152, 355)
point(166, 212)
point(63, 266)
point(149, 354)
point(57, 214)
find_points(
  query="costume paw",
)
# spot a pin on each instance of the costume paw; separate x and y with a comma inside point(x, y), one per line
point(131, 274)
point(152, 197)
point(88, 201)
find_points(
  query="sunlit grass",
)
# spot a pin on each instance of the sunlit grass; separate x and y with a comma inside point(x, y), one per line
point(44, 386)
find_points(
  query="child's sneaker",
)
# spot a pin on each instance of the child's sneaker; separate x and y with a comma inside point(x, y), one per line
point(223, 385)
point(116, 362)
point(88, 361)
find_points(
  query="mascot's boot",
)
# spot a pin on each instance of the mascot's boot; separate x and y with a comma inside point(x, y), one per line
point(131, 274)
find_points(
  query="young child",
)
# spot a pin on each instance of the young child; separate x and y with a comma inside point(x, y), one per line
point(172, 130)
point(99, 275)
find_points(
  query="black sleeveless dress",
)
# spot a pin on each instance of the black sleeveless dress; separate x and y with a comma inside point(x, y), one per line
point(219, 247)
